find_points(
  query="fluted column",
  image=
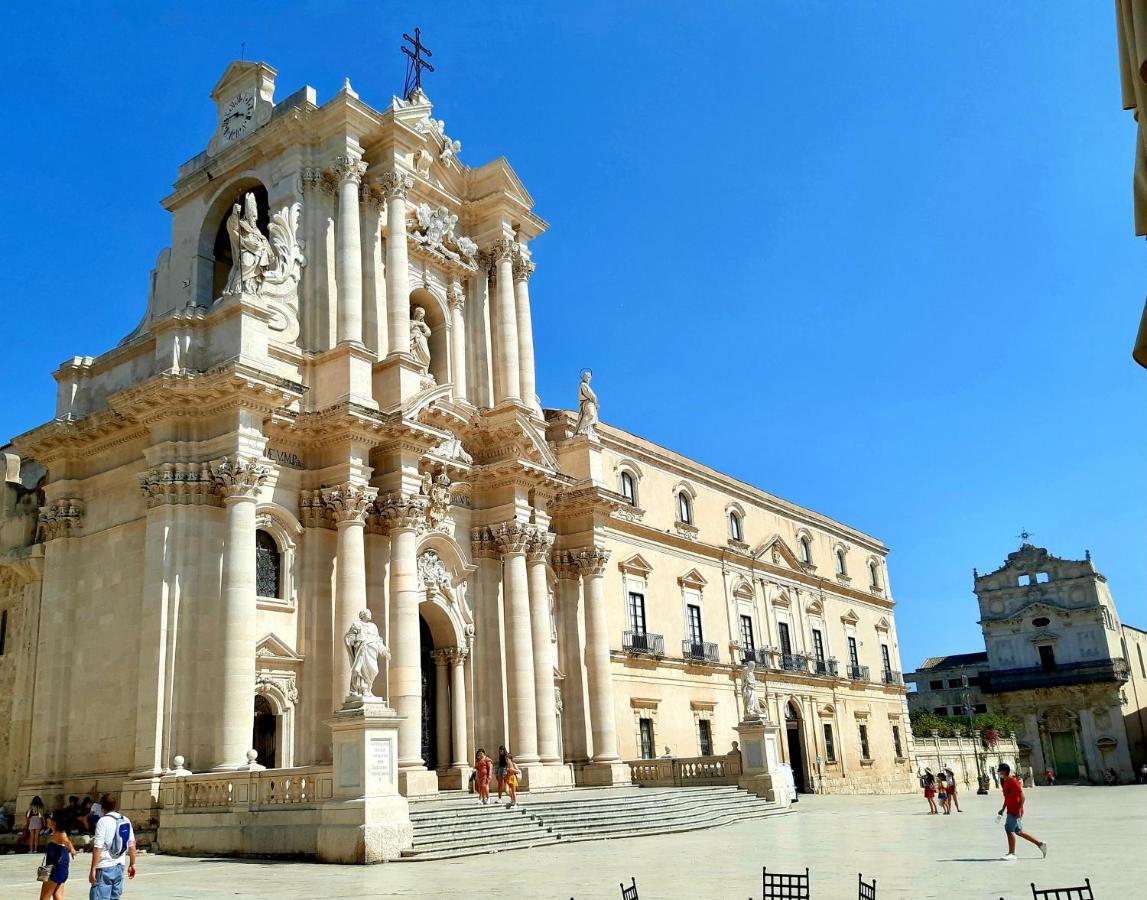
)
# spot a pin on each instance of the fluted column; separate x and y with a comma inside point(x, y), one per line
point(513, 539)
point(348, 249)
point(601, 713)
point(543, 645)
point(373, 286)
point(523, 269)
point(479, 376)
point(395, 185)
point(442, 711)
point(404, 516)
point(575, 723)
point(239, 481)
point(506, 323)
point(458, 706)
point(349, 504)
point(457, 299)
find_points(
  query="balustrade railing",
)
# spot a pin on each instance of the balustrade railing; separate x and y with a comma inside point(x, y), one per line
point(686, 771)
point(824, 667)
point(249, 790)
point(794, 662)
point(888, 676)
point(701, 651)
point(643, 643)
point(858, 673)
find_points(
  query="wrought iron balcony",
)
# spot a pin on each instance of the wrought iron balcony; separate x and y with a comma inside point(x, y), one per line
point(758, 657)
point(702, 651)
point(794, 662)
point(1092, 671)
point(825, 667)
point(643, 643)
point(888, 676)
point(857, 673)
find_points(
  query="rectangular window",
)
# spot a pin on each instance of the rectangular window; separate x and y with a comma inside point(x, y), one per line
point(941, 710)
point(1047, 658)
point(705, 733)
point(647, 745)
point(829, 744)
point(935, 685)
point(636, 612)
point(853, 656)
point(886, 658)
point(864, 742)
point(818, 644)
point(3, 630)
point(786, 644)
point(973, 681)
point(693, 623)
point(896, 741)
point(954, 683)
point(747, 633)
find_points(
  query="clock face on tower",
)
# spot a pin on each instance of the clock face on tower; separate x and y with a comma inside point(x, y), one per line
point(237, 116)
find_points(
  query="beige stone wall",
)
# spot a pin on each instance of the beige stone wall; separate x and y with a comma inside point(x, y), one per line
point(1135, 694)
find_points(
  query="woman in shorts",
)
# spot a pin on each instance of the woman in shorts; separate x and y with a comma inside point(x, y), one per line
point(928, 782)
point(501, 770)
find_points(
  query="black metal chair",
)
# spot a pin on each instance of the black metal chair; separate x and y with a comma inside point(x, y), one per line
point(778, 886)
point(1068, 893)
point(629, 893)
point(867, 891)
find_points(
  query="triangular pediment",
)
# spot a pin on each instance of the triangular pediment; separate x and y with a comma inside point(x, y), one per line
point(636, 564)
point(775, 550)
point(237, 71)
point(850, 617)
point(274, 647)
point(883, 624)
point(815, 608)
point(692, 578)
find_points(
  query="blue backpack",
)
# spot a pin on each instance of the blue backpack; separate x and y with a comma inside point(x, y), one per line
point(122, 836)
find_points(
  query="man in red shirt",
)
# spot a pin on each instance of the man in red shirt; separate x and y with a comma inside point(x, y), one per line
point(1014, 805)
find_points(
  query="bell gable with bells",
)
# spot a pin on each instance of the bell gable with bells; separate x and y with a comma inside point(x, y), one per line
point(244, 99)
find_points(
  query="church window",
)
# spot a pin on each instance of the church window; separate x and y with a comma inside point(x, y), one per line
point(936, 684)
point(4, 633)
point(874, 572)
point(841, 567)
point(864, 751)
point(705, 735)
point(645, 727)
point(693, 614)
point(636, 612)
point(268, 565)
point(1107, 621)
point(806, 550)
point(896, 742)
point(1046, 657)
point(629, 488)
point(941, 710)
point(735, 530)
point(748, 644)
point(1142, 668)
point(829, 744)
point(684, 508)
point(1041, 577)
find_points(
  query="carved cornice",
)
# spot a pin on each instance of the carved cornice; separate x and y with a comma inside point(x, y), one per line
point(349, 502)
point(591, 560)
point(179, 484)
point(240, 477)
point(523, 269)
point(61, 518)
point(395, 185)
point(348, 168)
point(398, 511)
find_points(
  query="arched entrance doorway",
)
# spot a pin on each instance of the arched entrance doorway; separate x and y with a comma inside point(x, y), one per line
point(265, 732)
point(429, 695)
point(1061, 748)
point(795, 746)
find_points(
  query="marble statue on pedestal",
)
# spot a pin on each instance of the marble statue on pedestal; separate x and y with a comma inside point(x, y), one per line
point(587, 408)
point(364, 645)
point(755, 707)
point(420, 337)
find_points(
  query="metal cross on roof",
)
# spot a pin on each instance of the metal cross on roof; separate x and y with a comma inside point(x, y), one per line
point(415, 63)
point(1024, 535)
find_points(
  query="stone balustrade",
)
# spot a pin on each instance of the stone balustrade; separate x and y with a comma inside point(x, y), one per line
point(686, 771)
point(257, 790)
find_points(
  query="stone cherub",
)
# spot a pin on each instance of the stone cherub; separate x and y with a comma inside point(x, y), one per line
point(364, 646)
point(587, 408)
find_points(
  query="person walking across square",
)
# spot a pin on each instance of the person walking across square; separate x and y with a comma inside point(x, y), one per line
point(112, 847)
point(1014, 806)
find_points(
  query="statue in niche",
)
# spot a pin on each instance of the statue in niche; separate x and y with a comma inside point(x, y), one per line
point(250, 250)
point(587, 408)
point(364, 645)
point(420, 338)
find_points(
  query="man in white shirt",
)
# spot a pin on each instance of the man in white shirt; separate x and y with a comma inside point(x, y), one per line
point(112, 846)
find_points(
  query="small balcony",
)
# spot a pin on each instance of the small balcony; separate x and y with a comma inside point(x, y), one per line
point(1092, 671)
point(699, 651)
point(758, 657)
point(826, 668)
point(643, 643)
point(888, 676)
point(857, 673)
point(794, 662)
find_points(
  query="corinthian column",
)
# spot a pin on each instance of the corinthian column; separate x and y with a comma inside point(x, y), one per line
point(508, 377)
point(601, 713)
point(442, 716)
point(349, 503)
point(543, 645)
point(513, 538)
point(404, 516)
point(348, 249)
point(457, 299)
point(523, 269)
point(239, 481)
point(458, 706)
point(395, 185)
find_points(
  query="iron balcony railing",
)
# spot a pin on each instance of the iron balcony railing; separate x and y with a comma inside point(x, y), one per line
point(793, 662)
point(1092, 671)
point(644, 643)
point(858, 673)
point(888, 676)
point(701, 651)
point(758, 657)
point(825, 667)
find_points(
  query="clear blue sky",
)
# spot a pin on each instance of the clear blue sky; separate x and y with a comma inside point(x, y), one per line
point(877, 258)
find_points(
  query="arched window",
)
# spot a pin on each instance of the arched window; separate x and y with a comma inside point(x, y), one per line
point(629, 488)
point(841, 567)
point(874, 572)
point(806, 550)
point(684, 508)
point(268, 566)
point(735, 530)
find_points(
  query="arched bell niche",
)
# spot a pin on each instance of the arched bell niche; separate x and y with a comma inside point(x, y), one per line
point(215, 243)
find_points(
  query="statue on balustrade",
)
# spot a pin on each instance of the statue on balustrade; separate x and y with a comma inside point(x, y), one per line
point(364, 645)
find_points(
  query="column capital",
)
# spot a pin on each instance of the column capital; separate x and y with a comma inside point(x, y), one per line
point(456, 296)
point(443, 657)
point(566, 566)
point(395, 184)
point(187, 484)
point(397, 511)
point(503, 249)
point(591, 560)
point(457, 655)
point(349, 502)
point(60, 518)
point(239, 476)
point(538, 549)
point(314, 179)
point(348, 168)
point(523, 269)
point(482, 544)
point(512, 537)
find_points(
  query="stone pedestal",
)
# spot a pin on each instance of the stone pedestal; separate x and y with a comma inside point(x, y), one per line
point(760, 741)
point(344, 374)
point(539, 777)
point(396, 379)
point(367, 821)
point(602, 774)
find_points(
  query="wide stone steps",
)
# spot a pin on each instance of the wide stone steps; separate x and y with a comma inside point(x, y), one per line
point(461, 826)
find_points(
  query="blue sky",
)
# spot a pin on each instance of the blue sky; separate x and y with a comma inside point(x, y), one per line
point(876, 258)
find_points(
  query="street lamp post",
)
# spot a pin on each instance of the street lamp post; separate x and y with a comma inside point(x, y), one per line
point(970, 711)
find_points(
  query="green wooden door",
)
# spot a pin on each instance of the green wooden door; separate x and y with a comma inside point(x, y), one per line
point(1063, 749)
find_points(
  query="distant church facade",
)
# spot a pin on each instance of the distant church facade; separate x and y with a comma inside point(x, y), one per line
point(329, 406)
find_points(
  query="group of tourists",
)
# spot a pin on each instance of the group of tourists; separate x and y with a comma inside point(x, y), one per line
point(507, 773)
point(112, 845)
point(941, 791)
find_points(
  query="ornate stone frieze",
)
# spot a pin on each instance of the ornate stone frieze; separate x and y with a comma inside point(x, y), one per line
point(397, 510)
point(61, 518)
point(349, 502)
point(437, 491)
point(592, 560)
point(433, 231)
point(395, 185)
point(348, 168)
point(238, 476)
point(313, 179)
point(523, 269)
point(432, 573)
point(451, 450)
point(281, 685)
point(437, 128)
point(180, 484)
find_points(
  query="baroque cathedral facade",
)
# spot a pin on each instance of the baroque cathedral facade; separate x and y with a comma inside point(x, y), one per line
point(329, 406)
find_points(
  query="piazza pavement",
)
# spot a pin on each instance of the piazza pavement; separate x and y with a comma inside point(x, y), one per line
point(1094, 832)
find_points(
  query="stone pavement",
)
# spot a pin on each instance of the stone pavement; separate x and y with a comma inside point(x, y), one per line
point(1092, 831)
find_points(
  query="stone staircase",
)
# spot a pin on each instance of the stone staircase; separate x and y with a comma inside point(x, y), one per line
point(460, 826)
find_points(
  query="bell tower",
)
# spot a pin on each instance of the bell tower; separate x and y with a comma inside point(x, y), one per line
point(244, 99)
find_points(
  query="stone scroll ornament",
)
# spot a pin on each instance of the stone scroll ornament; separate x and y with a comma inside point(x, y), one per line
point(364, 645)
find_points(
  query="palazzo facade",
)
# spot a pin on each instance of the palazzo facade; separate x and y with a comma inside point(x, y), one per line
point(328, 406)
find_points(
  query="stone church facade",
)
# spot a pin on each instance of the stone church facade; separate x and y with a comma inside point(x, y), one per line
point(328, 406)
